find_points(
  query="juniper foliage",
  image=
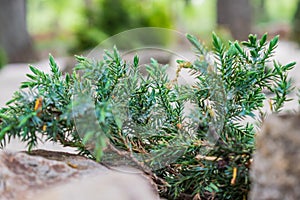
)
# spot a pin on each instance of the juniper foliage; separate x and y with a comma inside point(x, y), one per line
point(205, 155)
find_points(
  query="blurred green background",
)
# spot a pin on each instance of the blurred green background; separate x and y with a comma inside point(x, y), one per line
point(68, 27)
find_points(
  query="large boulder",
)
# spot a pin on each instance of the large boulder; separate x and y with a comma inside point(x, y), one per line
point(44, 175)
point(276, 167)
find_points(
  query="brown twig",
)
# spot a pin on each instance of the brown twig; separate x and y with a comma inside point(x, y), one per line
point(161, 184)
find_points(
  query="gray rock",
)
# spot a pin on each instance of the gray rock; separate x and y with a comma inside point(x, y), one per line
point(108, 186)
point(276, 167)
point(44, 175)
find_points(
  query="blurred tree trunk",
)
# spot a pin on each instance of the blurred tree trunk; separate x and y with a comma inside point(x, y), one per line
point(235, 15)
point(88, 3)
point(262, 5)
point(14, 37)
point(296, 24)
point(261, 14)
point(187, 2)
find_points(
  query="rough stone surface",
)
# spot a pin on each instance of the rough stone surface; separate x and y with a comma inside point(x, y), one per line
point(276, 167)
point(112, 185)
point(52, 175)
